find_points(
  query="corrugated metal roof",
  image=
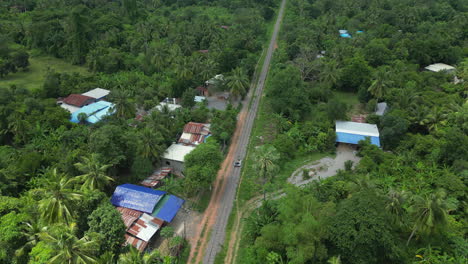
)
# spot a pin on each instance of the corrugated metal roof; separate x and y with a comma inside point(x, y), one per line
point(129, 216)
point(381, 109)
point(97, 93)
point(199, 99)
point(437, 67)
point(177, 152)
point(78, 100)
point(136, 197)
point(69, 108)
point(95, 112)
point(357, 128)
point(145, 227)
point(135, 242)
point(193, 128)
point(155, 179)
point(168, 208)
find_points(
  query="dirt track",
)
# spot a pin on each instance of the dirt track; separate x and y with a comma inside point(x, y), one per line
point(210, 232)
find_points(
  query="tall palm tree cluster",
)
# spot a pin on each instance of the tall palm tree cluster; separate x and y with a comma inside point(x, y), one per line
point(57, 198)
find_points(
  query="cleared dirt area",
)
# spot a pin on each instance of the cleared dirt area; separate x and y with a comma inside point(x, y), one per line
point(326, 167)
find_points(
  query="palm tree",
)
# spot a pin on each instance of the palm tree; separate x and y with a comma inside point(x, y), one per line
point(380, 84)
point(67, 248)
point(394, 205)
point(329, 73)
point(429, 213)
point(334, 260)
point(208, 70)
point(133, 256)
point(94, 177)
point(58, 198)
point(265, 163)
point(184, 69)
point(31, 232)
point(124, 108)
point(238, 82)
point(150, 143)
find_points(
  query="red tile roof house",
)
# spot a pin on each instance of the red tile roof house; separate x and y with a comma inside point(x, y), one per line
point(73, 102)
point(194, 133)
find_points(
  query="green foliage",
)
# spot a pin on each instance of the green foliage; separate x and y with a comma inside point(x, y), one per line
point(287, 93)
point(107, 222)
point(167, 232)
point(41, 253)
point(12, 237)
point(361, 230)
point(298, 234)
point(201, 167)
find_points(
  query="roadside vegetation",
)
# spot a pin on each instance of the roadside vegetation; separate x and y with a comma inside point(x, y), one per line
point(405, 203)
point(55, 176)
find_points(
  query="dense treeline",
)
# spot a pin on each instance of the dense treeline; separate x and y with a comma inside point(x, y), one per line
point(403, 204)
point(56, 176)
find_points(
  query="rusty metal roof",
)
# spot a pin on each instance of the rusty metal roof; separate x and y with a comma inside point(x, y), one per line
point(78, 100)
point(193, 128)
point(135, 242)
point(145, 227)
point(129, 216)
point(156, 177)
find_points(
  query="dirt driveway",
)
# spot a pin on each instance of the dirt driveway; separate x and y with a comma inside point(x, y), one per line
point(326, 167)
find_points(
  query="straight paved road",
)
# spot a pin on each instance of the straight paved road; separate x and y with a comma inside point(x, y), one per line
point(232, 176)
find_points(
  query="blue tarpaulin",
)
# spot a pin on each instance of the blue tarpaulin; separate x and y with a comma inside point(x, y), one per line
point(168, 208)
point(136, 197)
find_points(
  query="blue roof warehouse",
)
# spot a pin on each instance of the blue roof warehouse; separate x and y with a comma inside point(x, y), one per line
point(353, 132)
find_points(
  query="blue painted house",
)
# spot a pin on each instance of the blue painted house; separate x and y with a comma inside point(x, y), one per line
point(353, 132)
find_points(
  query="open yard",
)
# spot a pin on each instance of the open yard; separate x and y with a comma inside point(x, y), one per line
point(33, 78)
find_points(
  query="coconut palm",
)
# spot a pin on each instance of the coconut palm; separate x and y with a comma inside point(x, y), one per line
point(208, 70)
point(238, 82)
point(429, 213)
point(265, 163)
point(133, 256)
point(94, 177)
point(394, 205)
point(67, 248)
point(57, 198)
point(329, 72)
point(380, 83)
point(150, 143)
point(334, 260)
point(123, 107)
point(31, 232)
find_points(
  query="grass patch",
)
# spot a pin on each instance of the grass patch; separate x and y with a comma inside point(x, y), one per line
point(33, 77)
point(351, 99)
point(202, 203)
point(290, 166)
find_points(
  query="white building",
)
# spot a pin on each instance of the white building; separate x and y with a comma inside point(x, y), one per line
point(175, 155)
point(438, 67)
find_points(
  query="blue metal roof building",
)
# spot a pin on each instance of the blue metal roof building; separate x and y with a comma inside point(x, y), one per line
point(136, 197)
point(95, 112)
point(168, 207)
point(353, 132)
